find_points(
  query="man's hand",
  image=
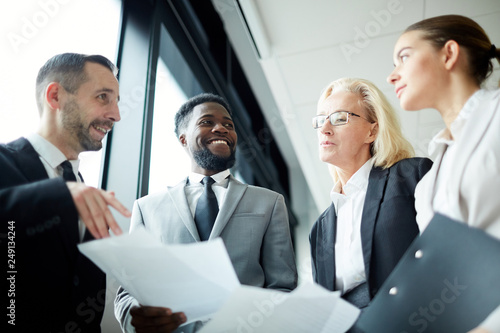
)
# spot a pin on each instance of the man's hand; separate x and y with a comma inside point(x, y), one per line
point(92, 206)
point(149, 319)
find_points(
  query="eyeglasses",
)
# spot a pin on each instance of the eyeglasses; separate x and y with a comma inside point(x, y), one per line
point(337, 118)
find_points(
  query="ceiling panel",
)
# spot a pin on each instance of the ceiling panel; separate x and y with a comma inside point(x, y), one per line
point(293, 26)
point(307, 73)
point(461, 7)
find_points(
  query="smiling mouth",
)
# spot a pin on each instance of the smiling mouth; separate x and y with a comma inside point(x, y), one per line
point(217, 142)
point(101, 129)
point(399, 91)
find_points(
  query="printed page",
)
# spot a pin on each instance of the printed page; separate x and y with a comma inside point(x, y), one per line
point(195, 278)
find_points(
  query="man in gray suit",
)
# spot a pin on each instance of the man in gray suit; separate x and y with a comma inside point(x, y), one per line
point(252, 221)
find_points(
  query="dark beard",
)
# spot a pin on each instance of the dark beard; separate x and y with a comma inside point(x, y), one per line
point(209, 161)
point(72, 121)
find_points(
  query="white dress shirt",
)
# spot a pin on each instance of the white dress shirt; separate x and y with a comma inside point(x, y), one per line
point(51, 158)
point(349, 262)
point(194, 188)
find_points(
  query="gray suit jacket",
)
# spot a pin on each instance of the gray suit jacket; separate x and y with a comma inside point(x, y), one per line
point(252, 222)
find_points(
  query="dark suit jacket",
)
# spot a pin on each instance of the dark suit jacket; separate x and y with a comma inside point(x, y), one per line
point(56, 288)
point(388, 224)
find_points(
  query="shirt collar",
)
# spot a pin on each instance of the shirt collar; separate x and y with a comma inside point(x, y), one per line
point(49, 153)
point(220, 178)
point(439, 141)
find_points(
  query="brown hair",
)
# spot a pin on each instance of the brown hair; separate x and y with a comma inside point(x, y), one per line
point(468, 34)
point(69, 70)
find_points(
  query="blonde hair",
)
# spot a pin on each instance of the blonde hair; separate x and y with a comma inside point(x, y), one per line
point(390, 146)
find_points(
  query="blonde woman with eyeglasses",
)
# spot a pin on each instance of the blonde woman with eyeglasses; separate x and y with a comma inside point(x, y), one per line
point(358, 240)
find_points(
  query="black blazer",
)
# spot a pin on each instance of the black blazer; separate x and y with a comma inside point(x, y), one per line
point(388, 224)
point(56, 288)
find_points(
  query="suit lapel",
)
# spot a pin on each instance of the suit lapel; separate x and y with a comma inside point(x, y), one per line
point(374, 194)
point(472, 134)
point(329, 230)
point(235, 191)
point(179, 201)
point(28, 160)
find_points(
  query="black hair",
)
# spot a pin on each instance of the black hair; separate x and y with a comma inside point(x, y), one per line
point(183, 116)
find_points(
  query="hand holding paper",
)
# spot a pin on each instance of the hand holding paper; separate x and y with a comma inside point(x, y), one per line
point(155, 319)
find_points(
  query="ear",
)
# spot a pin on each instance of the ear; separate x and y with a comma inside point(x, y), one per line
point(451, 51)
point(182, 140)
point(52, 95)
point(372, 135)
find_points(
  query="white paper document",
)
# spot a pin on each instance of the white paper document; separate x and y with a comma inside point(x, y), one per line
point(194, 278)
point(199, 280)
point(309, 308)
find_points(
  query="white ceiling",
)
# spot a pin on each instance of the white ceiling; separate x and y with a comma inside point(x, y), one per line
point(300, 46)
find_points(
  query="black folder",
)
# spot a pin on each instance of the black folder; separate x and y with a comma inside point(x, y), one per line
point(447, 281)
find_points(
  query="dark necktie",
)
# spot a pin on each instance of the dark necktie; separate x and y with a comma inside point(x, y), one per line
point(68, 173)
point(69, 176)
point(206, 209)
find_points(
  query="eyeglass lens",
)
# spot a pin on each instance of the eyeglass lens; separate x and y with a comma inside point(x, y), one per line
point(336, 119)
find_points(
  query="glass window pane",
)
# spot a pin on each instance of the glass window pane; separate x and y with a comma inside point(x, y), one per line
point(175, 83)
point(33, 31)
point(169, 162)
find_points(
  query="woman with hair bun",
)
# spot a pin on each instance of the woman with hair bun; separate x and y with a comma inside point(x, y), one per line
point(442, 63)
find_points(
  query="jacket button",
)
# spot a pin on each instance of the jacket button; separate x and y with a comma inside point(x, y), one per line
point(419, 254)
point(76, 280)
point(393, 291)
